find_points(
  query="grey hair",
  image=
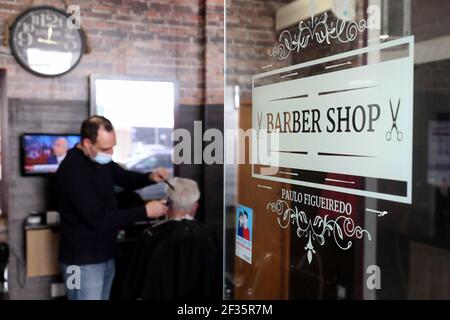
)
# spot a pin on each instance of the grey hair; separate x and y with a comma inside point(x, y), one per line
point(185, 195)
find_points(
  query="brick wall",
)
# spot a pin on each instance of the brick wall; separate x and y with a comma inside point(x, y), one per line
point(28, 194)
point(159, 38)
point(214, 55)
point(429, 19)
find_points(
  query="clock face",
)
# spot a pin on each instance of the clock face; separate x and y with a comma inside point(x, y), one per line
point(43, 44)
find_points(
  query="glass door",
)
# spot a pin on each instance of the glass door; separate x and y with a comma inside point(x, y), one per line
point(338, 166)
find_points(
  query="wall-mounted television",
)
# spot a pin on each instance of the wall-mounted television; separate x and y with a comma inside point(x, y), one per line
point(41, 153)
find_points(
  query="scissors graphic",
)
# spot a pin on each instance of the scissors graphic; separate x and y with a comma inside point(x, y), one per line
point(394, 123)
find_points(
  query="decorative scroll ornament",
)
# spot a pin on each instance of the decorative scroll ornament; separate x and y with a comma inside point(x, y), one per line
point(317, 229)
point(321, 30)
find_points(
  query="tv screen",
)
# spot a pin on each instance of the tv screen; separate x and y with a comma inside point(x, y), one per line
point(42, 153)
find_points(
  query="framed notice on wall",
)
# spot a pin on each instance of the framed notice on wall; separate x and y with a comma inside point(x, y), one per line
point(345, 116)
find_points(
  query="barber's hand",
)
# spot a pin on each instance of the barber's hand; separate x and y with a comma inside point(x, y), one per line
point(156, 209)
point(159, 174)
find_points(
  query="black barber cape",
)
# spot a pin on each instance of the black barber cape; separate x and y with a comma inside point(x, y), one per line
point(90, 218)
point(175, 260)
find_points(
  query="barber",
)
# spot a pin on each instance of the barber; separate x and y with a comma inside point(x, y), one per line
point(90, 219)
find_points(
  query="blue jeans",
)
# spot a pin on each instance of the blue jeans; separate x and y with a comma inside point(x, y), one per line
point(93, 283)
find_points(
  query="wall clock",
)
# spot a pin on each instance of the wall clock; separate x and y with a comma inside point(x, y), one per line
point(43, 44)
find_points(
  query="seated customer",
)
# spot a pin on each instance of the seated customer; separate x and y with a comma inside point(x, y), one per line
point(179, 258)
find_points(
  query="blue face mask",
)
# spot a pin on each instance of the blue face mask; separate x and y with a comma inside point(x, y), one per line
point(103, 158)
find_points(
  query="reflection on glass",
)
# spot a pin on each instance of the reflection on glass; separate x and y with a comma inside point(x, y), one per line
point(407, 255)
